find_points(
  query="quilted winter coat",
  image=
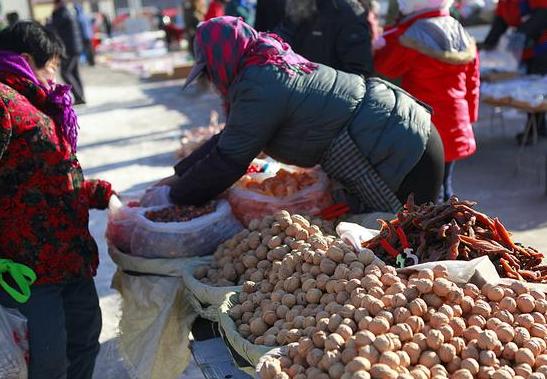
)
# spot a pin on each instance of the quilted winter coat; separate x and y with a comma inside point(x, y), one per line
point(44, 198)
point(438, 64)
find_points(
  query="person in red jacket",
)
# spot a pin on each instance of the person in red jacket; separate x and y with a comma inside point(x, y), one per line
point(529, 20)
point(44, 206)
point(437, 62)
point(216, 9)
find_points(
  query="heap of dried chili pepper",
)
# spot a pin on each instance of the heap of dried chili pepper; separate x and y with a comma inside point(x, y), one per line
point(454, 230)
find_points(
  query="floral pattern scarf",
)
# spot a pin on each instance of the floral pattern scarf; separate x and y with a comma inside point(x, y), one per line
point(228, 45)
point(54, 101)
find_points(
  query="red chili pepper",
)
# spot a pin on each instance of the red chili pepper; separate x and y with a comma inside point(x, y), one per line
point(334, 211)
point(389, 248)
point(392, 252)
point(402, 238)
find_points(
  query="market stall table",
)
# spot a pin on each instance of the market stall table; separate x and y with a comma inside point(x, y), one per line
point(494, 76)
point(524, 94)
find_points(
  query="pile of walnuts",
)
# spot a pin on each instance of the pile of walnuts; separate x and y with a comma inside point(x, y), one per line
point(250, 253)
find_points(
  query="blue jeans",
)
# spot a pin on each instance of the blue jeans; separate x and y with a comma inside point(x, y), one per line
point(64, 323)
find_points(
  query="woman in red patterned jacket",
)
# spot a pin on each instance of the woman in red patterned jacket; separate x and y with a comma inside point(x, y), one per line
point(438, 63)
point(44, 205)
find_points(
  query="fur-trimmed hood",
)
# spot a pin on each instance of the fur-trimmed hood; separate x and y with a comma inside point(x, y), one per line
point(443, 38)
point(407, 7)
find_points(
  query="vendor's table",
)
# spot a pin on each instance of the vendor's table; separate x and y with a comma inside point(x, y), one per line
point(213, 356)
point(495, 77)
point(531, 128)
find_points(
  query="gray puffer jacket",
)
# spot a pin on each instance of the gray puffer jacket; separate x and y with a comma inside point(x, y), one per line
point(294, 119)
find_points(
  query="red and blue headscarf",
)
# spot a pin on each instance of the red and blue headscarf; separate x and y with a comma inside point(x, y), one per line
point(228, 45)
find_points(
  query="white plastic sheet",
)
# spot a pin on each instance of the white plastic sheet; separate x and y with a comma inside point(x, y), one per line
point(156, 196)
point(121, 223)
point(531, 89)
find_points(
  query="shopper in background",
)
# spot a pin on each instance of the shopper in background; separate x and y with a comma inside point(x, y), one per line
point(216, 9)
point(529, 18)
point(44, 206)
point(269, 14)
point(438, 63)
point(332, 32)
point(86, 31)
point(66, 27)
point(194, 13)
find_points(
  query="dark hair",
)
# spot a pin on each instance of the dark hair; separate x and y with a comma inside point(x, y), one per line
point(32, 38)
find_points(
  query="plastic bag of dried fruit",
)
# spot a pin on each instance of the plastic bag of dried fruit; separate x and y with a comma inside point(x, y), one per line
point(156, 196)
point(297, 190)
point(196, 237)
point(122, 218)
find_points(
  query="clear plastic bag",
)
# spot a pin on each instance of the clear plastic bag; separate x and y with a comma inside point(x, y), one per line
point(14, 347)
point(248, 205)
point(197, 237)
point(121, 223)
point(156, 197)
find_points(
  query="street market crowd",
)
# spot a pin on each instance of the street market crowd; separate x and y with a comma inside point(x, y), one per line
point(310, 90)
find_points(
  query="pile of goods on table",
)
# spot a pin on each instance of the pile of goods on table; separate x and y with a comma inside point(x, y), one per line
point(528, 91)
point(454, 230)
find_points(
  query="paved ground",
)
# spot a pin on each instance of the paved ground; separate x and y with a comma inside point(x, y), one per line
point(129, 132)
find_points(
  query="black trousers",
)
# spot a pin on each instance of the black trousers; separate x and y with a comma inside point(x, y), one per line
point(64, 323)
point(89, 52)
point(70, 72)
point(426, 178)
